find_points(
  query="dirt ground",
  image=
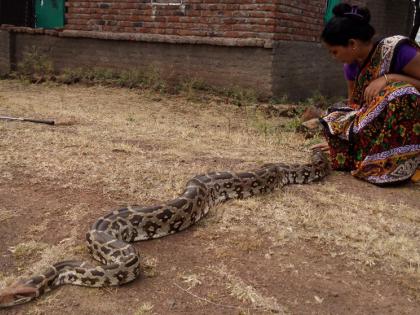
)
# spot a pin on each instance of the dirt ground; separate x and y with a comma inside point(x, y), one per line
point(339, 246)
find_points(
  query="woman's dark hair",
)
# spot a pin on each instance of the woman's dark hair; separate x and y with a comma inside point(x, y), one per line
point(348, 22)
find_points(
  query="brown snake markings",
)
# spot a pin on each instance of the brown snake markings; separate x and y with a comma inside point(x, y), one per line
point(110, 236)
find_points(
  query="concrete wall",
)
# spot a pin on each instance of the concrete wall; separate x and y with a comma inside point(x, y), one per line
point(4, 52)
point(217, 65)
point(301, 69)
point(391, 17)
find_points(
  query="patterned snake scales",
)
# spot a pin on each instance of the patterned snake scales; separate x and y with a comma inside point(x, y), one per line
point(110, 236)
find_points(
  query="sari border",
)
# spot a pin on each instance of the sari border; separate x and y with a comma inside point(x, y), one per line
point(388, 50)
point(399, 150)
point(363, 67)
point(382, 105)
point(325, 122)
point(408, 167)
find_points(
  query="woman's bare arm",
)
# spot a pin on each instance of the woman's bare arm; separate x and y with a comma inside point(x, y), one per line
point(411, 73)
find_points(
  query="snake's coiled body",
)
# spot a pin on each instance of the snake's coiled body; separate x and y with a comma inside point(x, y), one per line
point(110, 236)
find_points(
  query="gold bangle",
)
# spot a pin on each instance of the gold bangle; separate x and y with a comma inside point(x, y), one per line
point(386, 78)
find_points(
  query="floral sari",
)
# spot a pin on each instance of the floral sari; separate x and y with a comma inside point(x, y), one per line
point(380, 141)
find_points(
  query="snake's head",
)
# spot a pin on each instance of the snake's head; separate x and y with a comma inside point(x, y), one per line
point(17, 294)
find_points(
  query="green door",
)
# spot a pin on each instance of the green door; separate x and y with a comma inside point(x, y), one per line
point(49, 13)
point(328, 12)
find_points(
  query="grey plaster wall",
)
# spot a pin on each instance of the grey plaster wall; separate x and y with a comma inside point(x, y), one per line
point(391, 17)
point(301, 69)
point(217, 65)
point(4, 52)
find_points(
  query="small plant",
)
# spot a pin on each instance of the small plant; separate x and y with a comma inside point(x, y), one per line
point(104, 76)
point(145, 309)
point(240, 96)
point(149, 267)
point(319, 100)
point(316, 139)
point(153, 80)
point(192, 280)
point(292, 125)
point(131, 117)
point(35, 66)
point(70, 76)
point(246, 293)
point(125, 78)
point(131, 79)
point(264, 126)
point(284, 99)
point(6, 214)
point(25, 250)
point(193, 89)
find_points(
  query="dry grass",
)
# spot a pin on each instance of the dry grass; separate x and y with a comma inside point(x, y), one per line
point(144, 309)
point(6, 214)
point(245, 292)
point(140, 147)
point(149, 266)
point(218, 282)
point(124, 142)
point(24, 250)
point(192, 280)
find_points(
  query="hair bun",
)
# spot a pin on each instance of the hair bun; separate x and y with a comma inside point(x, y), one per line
point(341, 8)
point(352, 12)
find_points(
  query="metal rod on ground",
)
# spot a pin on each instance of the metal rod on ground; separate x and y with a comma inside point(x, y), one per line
point(39, 121)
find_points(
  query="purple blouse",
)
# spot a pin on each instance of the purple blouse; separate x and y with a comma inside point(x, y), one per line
point(405, 54)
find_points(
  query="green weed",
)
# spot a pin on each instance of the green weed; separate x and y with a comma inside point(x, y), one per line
point(240, 96)
point(35, 66)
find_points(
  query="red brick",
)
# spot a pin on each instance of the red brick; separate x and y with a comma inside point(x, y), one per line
point(279, 19)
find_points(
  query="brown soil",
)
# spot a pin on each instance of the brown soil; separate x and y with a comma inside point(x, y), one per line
point(340, 246)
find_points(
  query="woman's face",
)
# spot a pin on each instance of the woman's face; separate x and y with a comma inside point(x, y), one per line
point(343, 54)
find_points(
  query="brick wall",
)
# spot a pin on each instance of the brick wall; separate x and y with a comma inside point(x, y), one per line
point(277, 20)
point(226, 18)
point(299, 20)
point(263, 19)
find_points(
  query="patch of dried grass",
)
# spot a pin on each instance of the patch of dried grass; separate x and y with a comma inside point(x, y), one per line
point(149, 266)
point(6, 215)
point(375, 231)
point(26, 250)
point(245, 292)
point(144, 309)
point(192, 280)
point(139, 148)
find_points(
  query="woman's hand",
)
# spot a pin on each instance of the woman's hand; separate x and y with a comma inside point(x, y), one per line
point(374, 88)
point(321, 146)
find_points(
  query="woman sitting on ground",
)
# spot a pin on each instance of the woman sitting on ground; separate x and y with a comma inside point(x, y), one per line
point(377, 135)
